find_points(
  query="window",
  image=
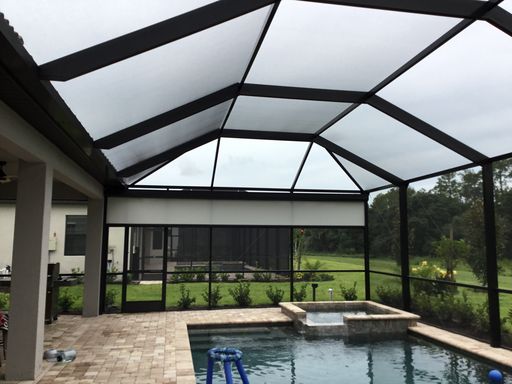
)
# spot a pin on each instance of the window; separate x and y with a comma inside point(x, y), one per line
point(74, 244)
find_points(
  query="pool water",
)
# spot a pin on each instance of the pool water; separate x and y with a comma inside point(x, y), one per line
point(281, 356)
point(332, 318)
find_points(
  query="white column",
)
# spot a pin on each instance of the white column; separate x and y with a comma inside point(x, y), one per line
point(29, 271)
point(92, 279)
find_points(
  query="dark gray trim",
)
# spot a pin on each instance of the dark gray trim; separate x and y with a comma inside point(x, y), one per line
point(453, 8)
point(236, 195)
point(301, 166)
point(316, 94)
point(149, 173)
point(500, 18)
point(366, 240)
point(345, 170)
point(404, 247)
point(491, 255)
point(330, 146)
point(169, 155)
point(40, 105)
point(185, 188)
point(155, 123)
point(425, 129)
point(267, 135)
point(145, 39)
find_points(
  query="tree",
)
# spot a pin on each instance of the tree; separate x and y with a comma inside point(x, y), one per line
point(448, 186)
point(451, 252)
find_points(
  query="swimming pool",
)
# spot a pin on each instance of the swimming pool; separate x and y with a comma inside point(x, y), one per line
point(281, 356)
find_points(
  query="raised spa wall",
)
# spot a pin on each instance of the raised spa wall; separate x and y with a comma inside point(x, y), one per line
point(382, 320)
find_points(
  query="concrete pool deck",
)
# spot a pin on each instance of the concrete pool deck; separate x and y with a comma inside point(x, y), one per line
point(153, 348)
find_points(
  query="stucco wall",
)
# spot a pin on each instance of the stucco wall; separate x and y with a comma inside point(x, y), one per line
point(57, 227)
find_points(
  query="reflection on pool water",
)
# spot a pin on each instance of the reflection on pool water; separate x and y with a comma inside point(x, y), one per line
point(281, 356)
point(332, 318)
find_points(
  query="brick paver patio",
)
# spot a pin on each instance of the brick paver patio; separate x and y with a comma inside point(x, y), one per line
point(153, 348)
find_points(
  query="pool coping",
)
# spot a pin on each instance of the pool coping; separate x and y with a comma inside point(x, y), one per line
point(463, 344)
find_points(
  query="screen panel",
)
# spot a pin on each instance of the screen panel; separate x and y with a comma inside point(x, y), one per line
point(339, 47)
point(67, 24)
point(390, 144)
point(321, 171)
point(282, 115)
point(193, 168)
point(365, 179)
point(469, 96)
point(258, 163)
point(507, 5)
point(146, 85)
point(168, 137)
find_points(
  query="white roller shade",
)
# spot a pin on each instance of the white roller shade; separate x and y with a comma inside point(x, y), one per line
point(136, 211)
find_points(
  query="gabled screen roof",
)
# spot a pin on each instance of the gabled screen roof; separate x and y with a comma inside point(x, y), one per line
point(289, 95)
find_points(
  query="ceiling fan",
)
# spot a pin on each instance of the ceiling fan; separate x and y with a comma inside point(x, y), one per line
point(4, 177)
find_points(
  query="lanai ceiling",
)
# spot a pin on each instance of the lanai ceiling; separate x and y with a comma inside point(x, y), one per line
point(291, 95)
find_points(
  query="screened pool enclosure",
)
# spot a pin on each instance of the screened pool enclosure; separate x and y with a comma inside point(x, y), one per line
point(359, 144)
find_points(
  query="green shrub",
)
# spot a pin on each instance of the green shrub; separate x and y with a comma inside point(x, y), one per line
point(66, 300)
point(188, 276)
point(274, 294)
point(350, 294)
point(262, 276)
point(110, 298)
point(239, 276)
point(4, 301)
point(215, 298)
point(200, 276)
point(300, 295)
point(241, 294)
point(214, 276)
point(433, 272)
point(389, 295)
point(325, 277)
point(185, 301)
point(308, 273)
point(224, 276)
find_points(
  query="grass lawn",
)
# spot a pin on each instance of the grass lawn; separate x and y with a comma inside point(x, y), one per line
point(258, 295)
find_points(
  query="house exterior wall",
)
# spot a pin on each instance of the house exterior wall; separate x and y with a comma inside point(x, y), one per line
point(57, 232)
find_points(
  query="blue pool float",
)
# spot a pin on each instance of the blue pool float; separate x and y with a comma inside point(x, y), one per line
point(226, 356)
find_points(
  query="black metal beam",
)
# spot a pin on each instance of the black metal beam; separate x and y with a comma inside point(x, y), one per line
point(404, 246)
point(425, 129)
point(169, 155)
point(266, 135)
point(500, 18)
point(240, 189)
point(301, 166)
point(366, 241)
point(453, 8)
point(142, 40)
point(167, 118)
point(365, 164)
point(234, 195)
point(317, 94)
point(345, 170)
point(491, 255)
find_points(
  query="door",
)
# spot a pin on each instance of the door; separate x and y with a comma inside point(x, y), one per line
point(144, 272)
